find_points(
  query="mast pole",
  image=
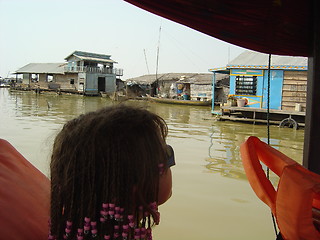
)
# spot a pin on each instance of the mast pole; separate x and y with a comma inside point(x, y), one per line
point(157, 64)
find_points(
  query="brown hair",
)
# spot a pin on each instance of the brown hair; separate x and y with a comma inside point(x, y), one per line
point(108, 156)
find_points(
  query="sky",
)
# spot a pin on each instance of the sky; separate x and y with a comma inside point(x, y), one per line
point(47, 31)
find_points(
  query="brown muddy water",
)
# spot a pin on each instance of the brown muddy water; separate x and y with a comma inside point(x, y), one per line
point(211, 196)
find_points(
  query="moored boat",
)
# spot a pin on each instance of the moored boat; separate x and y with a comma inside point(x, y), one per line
point(180, 101)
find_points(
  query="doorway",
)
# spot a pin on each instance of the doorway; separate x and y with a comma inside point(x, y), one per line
point(101, 84)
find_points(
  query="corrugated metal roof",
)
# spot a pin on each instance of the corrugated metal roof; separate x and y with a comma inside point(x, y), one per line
point(56, 68)
point(251, 59)
point(91, 56)
point(197, 78)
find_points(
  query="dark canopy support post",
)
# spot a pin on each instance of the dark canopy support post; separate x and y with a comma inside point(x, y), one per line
point(311, 155)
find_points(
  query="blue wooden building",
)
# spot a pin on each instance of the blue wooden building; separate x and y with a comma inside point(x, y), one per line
point(248, 75)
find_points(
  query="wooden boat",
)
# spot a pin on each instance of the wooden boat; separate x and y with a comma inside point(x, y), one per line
point(25, 197)
point(304, 41)
point(181, 102)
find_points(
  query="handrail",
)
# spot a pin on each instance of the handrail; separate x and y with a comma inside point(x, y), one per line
point(88, 69)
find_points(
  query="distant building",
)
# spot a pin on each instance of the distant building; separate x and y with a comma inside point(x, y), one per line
point(84, 72)
point(249, 78)
point(172, 85)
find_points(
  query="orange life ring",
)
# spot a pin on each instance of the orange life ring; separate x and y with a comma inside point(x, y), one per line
point(24, 197)
point(298, 193)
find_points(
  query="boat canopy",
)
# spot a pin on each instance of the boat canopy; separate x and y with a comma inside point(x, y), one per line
point(282, 27)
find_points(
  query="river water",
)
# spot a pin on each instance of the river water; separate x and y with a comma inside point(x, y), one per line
point(211, 196)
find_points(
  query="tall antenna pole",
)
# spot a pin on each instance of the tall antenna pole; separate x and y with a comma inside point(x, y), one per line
point(157, 65)
point(145, 57)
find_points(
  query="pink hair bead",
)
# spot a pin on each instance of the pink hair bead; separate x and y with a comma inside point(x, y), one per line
point(105, 205)
point(94, 231)
point(87, 220)
point(106, 237)
point(125, 227)
point(103, 212)
point(93, 224)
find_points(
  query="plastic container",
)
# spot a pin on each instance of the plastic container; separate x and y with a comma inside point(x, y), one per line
point(241, 102)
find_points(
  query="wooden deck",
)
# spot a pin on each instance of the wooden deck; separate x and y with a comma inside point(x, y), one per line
point(259, 115)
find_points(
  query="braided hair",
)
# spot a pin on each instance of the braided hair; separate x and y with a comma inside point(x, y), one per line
point(105, 175)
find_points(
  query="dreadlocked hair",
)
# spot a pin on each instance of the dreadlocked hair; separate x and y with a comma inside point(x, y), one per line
point(105, 175)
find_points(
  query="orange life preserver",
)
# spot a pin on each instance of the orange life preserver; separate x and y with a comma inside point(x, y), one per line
point(24, 197)
point(296, 202)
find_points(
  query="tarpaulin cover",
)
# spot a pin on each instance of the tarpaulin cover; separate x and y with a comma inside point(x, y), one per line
point(281, 27)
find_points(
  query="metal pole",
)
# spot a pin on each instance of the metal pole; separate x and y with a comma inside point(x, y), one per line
point(312, 129)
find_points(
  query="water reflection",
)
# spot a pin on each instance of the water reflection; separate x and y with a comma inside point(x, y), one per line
point(208, 182)
point(226, 138)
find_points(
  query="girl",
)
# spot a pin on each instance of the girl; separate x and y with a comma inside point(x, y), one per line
point(110, 169)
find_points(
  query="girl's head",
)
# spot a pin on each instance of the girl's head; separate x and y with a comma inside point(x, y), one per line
point(105, 170)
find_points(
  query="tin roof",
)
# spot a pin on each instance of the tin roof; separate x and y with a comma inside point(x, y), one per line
point(91, 57)
point(56, 68)
point(251, 59)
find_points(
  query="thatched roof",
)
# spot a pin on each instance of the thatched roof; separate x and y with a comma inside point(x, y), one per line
point(196, 78)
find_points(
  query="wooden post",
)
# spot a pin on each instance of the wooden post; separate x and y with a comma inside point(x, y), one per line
point(212, 90)
point(311, 159)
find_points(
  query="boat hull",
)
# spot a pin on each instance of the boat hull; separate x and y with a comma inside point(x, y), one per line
point(181, 102)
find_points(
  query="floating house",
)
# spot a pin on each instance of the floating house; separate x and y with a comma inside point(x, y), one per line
point(197, 86)
point(249, 78)
point(83, 72)
point(248, 95)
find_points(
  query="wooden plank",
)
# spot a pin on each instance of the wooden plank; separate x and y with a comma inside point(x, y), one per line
point(294, 87)
point(295, 74)
point(236, 119)
point(261, 110)
point(294, 94)
point(293, 81)
point(287, 104)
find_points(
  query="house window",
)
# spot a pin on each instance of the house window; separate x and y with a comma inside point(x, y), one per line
point(246, 85)
point(71, 81)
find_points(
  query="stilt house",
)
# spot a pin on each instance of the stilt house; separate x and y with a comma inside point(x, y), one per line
point(84, 72)
point(249, 80)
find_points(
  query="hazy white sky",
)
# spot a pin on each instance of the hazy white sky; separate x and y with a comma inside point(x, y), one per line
point(47, 31)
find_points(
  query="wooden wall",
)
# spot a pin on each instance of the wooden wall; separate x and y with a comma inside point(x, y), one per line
point(294, 90)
